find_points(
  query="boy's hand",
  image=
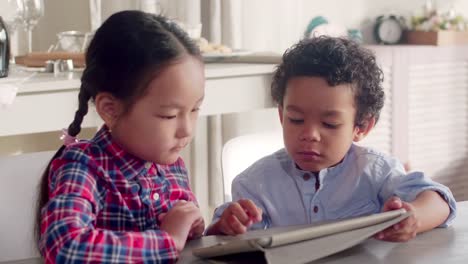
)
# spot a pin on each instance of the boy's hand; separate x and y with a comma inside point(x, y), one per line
point(182, 219)
point(237, 218)
point(404, 230)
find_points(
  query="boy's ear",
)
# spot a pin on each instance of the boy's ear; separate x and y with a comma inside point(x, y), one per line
point(280, 113)
point(360, 132)
point(108, 107)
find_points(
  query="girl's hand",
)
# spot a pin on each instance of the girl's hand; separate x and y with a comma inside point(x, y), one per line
point(237, 218)
point(196, 231)
point(404, 230)
point(178, 221)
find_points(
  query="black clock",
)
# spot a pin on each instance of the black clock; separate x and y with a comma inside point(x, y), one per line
point(389, 29)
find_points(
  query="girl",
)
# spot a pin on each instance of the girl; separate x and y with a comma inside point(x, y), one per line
point(124, 195)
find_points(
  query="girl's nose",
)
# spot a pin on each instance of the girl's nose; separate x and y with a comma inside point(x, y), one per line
point(185, 128)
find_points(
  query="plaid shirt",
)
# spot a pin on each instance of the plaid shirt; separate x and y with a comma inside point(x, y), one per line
point(104, 205)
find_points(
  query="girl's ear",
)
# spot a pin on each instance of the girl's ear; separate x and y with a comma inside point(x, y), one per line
point(109, 108)
point(360, 132)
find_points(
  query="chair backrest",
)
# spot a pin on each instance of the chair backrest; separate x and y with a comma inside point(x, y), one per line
point(20, 177)
point(241, 152)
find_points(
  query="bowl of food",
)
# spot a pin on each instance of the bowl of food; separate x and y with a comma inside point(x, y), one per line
point(73, 41)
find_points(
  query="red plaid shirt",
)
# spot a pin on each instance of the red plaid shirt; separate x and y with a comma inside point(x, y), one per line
point(104, 205)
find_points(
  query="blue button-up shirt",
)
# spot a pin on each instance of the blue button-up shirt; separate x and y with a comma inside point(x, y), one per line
point(359, 185)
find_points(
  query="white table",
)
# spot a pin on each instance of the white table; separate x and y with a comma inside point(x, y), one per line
point(441, 245)
point(47, 102)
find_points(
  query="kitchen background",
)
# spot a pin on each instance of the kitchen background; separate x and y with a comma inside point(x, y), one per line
point(254, 25)
point(262, 25)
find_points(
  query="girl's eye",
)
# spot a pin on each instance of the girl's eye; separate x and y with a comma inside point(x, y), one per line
point(196, 109)
point(168, 117)
point(296, 121)
point(331, 126)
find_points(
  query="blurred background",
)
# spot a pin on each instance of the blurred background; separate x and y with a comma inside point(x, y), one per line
point(436, 142)
point(264, 25)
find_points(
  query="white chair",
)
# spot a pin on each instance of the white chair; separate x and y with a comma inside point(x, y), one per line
point(241, 152)
point(20, 176)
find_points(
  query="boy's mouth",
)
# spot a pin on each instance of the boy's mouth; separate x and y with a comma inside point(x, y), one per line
point(309, 155)
point(309, 152)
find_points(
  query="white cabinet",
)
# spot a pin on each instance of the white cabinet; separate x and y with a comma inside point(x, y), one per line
point(426, 112)
point(47, 103)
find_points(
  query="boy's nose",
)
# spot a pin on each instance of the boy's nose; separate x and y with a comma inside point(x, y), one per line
point(311, 134)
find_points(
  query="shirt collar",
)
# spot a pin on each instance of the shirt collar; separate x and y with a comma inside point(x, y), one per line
point(129, 165)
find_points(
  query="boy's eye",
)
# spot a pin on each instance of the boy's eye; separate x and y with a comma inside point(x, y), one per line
point(331, 126)
point(296, 121)
point(196, 109)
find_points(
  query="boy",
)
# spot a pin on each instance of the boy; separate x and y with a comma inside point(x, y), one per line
point(329, 95)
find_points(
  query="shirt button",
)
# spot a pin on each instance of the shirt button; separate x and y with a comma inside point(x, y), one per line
point(155, 196)
point(315, 209)
point(148, 165)
point(306, 177)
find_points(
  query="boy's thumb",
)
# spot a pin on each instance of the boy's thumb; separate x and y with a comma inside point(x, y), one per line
point(392, 204)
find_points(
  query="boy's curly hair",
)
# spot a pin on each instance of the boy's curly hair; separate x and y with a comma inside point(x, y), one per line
point(338, 61)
